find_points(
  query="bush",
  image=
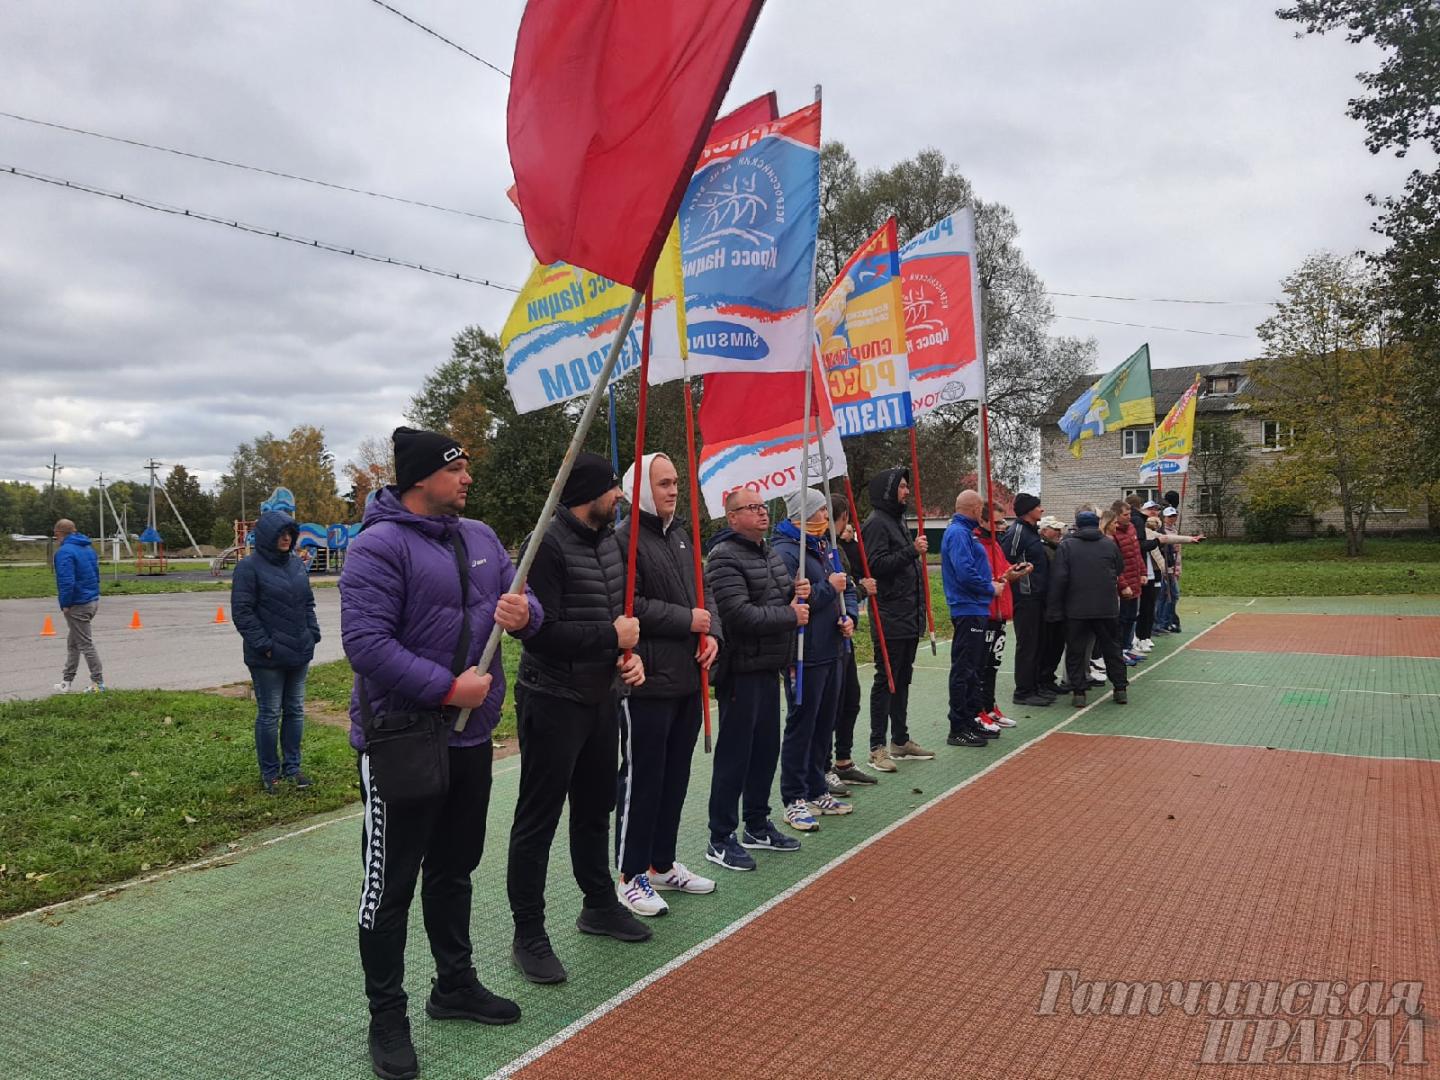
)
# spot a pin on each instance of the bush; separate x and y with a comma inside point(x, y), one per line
point(1268, 516)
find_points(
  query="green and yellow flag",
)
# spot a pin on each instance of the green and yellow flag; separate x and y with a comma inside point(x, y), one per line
point(1120, 399)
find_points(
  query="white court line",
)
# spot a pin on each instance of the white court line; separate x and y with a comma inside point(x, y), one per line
point(1316, 689)
point(604, 1008)
point(1252, 601)
point(199, 864)
point(1251, 746)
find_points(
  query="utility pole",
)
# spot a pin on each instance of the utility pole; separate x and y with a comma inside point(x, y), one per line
point(240, 473)
point(55, 468)
point(100, 504)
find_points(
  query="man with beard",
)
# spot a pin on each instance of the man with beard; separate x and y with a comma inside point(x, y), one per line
point(900, 591)
point(566, 701)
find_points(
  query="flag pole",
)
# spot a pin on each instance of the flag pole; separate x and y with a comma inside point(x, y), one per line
point(825, 486)
point(614, 442)
point(695, 531)
point(865, 569)
point(577, 442)
point(989, 477)
point(925, 557)
point(642, 402)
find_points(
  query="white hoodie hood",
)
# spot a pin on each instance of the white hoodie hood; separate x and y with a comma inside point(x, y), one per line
point(647, 495)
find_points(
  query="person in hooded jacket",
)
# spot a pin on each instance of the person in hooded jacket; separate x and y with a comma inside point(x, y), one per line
point(1022, 543)
point(660, 720)
point(1084, 595)
point(895, 561)
point(274, 610)
point(812, 691)
point(403, 618)
point(77, 585)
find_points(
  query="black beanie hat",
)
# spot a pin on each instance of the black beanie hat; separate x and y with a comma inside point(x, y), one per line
point(590, 478)
point(420, 453)
point(1024, 503)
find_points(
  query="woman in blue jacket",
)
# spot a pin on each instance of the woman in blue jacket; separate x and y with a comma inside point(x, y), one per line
point(274, 610)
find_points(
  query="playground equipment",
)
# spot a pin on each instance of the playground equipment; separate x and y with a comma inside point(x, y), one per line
point(321, 547)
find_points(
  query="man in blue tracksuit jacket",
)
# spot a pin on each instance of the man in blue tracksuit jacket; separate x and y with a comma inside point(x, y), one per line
point(969, 590)
point(77, 584)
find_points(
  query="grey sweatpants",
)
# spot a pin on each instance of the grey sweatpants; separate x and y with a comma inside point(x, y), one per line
point(78, 618)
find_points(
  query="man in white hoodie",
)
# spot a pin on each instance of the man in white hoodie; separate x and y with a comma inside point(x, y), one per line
point(660, 720)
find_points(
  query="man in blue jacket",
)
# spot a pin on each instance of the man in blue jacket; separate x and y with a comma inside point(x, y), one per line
point(401, 620)
point(810, 721)
point(77, 580)
point(970, 588)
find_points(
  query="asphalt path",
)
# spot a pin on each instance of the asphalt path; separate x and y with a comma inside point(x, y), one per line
point(180, 647)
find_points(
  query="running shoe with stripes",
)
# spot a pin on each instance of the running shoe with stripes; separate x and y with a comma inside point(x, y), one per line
point(988, 727)
point(828, 804)
point(767, 838)
point(637, 895)
point(836, 786)
point(999, 717)
point(679, 879)
point(799, 818)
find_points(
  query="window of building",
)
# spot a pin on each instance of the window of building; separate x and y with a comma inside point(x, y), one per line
point(1208, 499)
point(1276, 434)
point(1136, 441)
point(1144, 493)
point(1222, 384)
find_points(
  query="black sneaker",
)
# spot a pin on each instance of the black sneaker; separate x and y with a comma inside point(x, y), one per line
point(966, 738)
point(1036, 699)
point(1077, 699)
point(300, 780)
point(536, 960)
point(392, 1054)
point(1121, 697)
point(270, 787)
point(614, 921)
point(853, 774)
point(470, 1001)
point(767, 838)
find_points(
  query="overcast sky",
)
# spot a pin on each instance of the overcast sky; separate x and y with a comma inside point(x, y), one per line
point(1189, 151)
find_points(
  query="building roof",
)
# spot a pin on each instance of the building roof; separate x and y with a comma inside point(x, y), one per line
point(1167, 384)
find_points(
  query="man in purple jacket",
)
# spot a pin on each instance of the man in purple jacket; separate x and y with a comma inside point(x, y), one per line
point(401, 623)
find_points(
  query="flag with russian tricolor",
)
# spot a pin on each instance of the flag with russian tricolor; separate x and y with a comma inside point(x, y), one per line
point(748, 223)
point(861, 329)
point(751, 426)
point(940, 287)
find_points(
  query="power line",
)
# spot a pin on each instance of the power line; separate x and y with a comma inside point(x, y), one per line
point(442, 37)
point(1146, 326)
point(257, 230)
point(255, 168)
point(1163, 300)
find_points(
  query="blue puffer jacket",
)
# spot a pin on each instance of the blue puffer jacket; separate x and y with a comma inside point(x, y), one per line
point(400, 612)
point(77, 571)
point(823, 640)
point(966, 570)
point(270, 599)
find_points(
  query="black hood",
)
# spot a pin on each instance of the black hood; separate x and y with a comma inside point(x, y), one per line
point(885, 490)
point(1088, 532)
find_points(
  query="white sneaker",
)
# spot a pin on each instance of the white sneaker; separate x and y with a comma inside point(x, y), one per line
point(1144, 645)
point(62, 687)
point(679, 879)
point(828, 804)
point(637, 895)
point(985, 722)
point(799, 818)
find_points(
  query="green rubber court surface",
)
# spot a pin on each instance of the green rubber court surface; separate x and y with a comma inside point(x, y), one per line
point(246, 966)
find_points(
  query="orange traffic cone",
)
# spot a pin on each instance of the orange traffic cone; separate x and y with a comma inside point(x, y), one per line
point(48, 630)
point(135, 623)
point(220, 614)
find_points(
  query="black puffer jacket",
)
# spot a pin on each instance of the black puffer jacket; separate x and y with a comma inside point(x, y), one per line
point(579, 578)
point(1082, 578)
point(270, 599)
point(894, 562)
point(1022, 543)
point(664, 599)
point(752, 591)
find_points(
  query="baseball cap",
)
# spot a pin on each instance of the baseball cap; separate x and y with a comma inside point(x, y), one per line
point(1169, 511)
point(1050, 521)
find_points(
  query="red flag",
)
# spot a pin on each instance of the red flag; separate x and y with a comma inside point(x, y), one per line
point(611, 102)
point(762, 110)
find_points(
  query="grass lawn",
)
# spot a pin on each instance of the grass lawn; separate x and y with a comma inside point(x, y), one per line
point(103, 788)
point(1312, 568)
point(27, 582)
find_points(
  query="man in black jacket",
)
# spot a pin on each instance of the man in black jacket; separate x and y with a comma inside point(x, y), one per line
point(761, 608)
point(895, 563)
point(565, 702)
point(1084, 593)
point(660, 720)
point(845, 771)
point(1022, 544)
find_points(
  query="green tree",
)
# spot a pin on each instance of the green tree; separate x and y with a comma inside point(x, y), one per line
point(1398, 109)
point(1334, 365)
point(1218, 462)
point(195, 506)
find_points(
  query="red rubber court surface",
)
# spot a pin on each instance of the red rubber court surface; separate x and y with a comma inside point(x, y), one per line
point(927, 953)
point(1343, 635)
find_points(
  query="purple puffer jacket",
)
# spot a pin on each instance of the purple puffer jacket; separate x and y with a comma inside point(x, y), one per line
point(400, 612)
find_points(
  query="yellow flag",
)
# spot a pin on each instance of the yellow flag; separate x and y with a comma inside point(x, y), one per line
point(1174, 439)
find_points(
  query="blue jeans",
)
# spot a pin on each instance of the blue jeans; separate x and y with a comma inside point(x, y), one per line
point(279, 704)
point(809, 730)
point(1165, 603)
